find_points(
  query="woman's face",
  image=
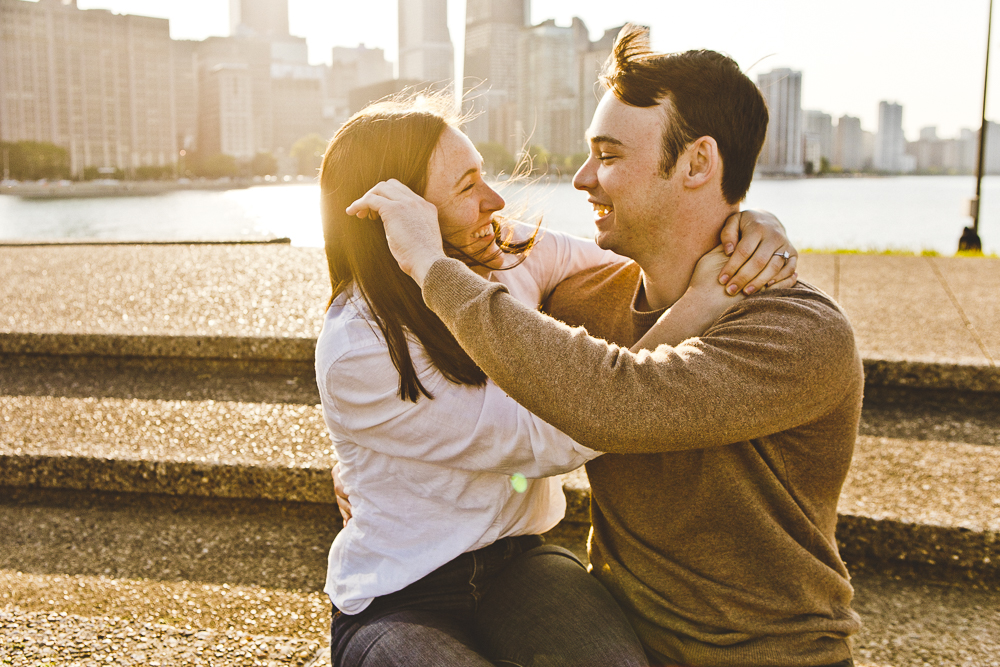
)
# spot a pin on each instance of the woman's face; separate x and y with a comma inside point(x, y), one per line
point(464, 201)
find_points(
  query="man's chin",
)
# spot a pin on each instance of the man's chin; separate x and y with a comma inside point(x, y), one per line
point(604, 240)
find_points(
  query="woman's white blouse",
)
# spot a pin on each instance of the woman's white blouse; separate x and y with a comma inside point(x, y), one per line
point(431, 480)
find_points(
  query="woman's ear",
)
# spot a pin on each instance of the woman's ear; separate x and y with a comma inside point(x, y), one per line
point(703, 162)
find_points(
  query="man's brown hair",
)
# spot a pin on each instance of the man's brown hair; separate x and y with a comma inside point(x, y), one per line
point(709, 96)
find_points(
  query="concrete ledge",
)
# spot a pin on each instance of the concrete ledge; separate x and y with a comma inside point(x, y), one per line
point(180, 350)
point(949, 552)
point(177, 478)
point(197, 347)
point(30, 243)
point(932, 375)
point(945, 551)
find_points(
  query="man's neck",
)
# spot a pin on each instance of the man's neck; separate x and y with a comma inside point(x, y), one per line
point(666, 274)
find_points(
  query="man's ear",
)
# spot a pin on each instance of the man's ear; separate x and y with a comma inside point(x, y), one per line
point(703, 162)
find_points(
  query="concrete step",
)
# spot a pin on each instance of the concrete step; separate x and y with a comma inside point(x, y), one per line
point(140, 579)
point(922, 492)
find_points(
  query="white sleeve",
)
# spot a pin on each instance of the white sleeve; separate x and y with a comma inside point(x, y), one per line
point(557, 256)
point(462, 427)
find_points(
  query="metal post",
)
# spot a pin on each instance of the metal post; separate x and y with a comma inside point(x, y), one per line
point(970, 235)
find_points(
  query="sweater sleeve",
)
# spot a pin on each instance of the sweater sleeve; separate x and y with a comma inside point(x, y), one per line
point(771, 363)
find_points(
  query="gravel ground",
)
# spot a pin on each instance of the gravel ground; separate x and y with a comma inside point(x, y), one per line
point(91, 569)
point(42, 639)
point(925, 482)
point(246, 290)
point(924, 624)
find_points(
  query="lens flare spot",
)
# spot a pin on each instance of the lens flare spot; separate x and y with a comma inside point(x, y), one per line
point(519, 482)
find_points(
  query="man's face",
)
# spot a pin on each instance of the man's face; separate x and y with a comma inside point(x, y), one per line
point(632, 199)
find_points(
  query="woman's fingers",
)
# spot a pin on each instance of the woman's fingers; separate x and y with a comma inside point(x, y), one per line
point(762, 255)
point(340, 493)
point(381, 194)
point(787, 271)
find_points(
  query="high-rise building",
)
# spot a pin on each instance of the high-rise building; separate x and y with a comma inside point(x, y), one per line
point(782, 151)
point(253, 54)
point(492, 40)
point(226, 118)
point(185, 64)
point(96, 83)
point(961, 153)
point(351, 68)
point(819, 132)
point(264, 18)
point(426, 53)
point(848, 151)
point(550, 86)
point(591, 64)
point(890, 144)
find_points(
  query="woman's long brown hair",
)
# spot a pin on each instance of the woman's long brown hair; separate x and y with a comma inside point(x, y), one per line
point(393, 139)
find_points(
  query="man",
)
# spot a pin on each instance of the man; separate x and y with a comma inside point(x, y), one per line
point(714, 510)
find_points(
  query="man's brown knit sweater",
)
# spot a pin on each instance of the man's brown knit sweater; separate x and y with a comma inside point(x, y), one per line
point(714, 511)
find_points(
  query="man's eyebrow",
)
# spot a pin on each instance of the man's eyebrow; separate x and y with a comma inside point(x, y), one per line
point(604, 139)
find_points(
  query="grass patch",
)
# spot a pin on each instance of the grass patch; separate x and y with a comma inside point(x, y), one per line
point(893, 252)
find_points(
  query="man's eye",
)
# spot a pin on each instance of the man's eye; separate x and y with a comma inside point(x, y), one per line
point(604, 156)
point(467, 187)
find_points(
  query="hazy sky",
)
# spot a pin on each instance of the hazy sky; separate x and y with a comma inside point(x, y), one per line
point(926, 55)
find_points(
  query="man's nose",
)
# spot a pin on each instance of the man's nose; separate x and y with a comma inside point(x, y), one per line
point(586, 176)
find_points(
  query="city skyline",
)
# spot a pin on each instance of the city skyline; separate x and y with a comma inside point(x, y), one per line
point(853, 55)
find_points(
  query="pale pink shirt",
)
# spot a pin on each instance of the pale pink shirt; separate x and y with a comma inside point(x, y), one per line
point(431, 480)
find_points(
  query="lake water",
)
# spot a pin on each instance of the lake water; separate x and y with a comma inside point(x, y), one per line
point(912, 213)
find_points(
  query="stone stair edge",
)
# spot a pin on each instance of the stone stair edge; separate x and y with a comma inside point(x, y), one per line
point(911, 373)
point(974, 554)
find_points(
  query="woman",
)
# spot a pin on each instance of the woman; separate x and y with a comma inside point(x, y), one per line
point(441, 562)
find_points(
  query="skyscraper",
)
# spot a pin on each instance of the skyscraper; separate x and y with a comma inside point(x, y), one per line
point(492, 37)
point(848, 152)
point(425, 49)
point(818, 140)
point(549, 91)
point(265, 18)
point(782, 151)
point(96, 83)
point(890, 144)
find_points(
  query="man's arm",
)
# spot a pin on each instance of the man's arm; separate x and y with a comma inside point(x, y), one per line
point(770, 364)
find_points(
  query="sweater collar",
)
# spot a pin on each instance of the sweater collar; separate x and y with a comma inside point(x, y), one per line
point(642, 320)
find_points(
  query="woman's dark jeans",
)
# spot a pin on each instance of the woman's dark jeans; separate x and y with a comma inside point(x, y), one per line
point(515, 602)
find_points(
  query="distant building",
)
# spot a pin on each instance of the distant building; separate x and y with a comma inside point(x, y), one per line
point(782, 151)
point(96, 83)
point(818, 131)
point(890, 144)
point(298, 104)
point(848, 153)
point(591, 64)
point(351, 68)
point(185, 66)
point(226, 118)
point(363, 96)
point(492, 41)
point(550, 87)
point(960, 154)
point(425, 49)
point(263, 18)
point(928, 151)
point(867, 149)
point(253, 55)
